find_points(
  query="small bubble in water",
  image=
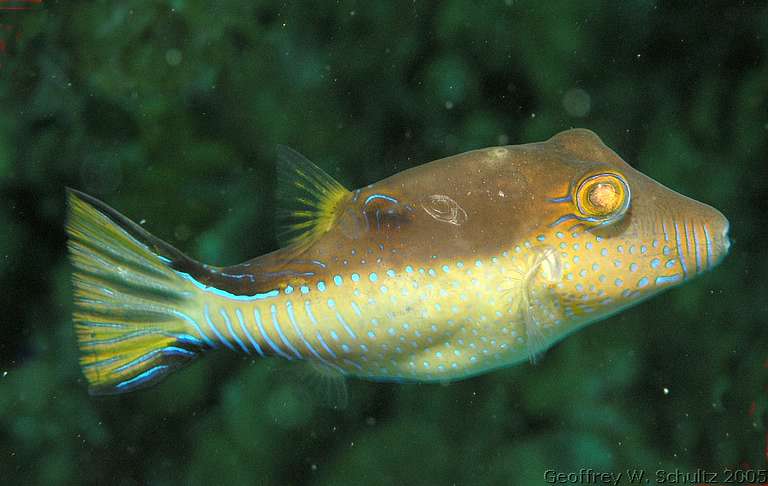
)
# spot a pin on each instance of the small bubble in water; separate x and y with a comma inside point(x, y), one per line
point(448, 105)
point(577, 102)
point(173, 57)
point(665, 390)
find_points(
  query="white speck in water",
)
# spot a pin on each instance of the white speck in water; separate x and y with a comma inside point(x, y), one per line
point(5, 373)
point(448, 105)
point(665, 390)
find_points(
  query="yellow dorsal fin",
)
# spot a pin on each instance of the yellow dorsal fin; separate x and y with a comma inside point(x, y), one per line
point(310, 200)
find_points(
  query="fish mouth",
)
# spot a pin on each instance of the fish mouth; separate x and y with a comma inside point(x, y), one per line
point(725, 238)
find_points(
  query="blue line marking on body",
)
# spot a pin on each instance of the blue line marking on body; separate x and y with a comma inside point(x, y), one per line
point(665, 279)
point(228, 295)
point(260, 326)
point(709, 246)
point(292, 319)
point(696, 247)
point(687, 242)
point(680, 251)
point(279, 330)
point(215, 330)
point(143, 377)
point(345, 325)
point(350, 362)
point(168, 350)
point(325, 346)
point(232, 332)
point(356, 308)
point(307, 308)
point(197, 327)
point(380, 196)
point(241, 320)
point(189, 339)
point(562, 219)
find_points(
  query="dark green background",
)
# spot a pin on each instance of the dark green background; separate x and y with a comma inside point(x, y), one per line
point(170, 111)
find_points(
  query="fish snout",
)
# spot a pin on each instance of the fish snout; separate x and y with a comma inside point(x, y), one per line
point(701, 242)
point(724, 239)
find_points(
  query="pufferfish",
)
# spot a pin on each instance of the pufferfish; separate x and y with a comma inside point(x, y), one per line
point(441, 272)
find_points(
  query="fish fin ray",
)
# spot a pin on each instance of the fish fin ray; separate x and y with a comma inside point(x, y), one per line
point(310, 199)
point(324, 385)
point(127, 300)
point(529, 283)
point(540, 307)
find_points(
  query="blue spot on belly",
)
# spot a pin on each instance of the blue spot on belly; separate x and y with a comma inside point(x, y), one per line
point(337, 280)
point(667, 279)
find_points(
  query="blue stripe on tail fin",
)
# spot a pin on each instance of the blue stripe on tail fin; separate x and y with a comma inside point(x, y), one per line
point(131, 318)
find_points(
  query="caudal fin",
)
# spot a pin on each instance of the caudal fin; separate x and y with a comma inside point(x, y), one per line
point(129, 312)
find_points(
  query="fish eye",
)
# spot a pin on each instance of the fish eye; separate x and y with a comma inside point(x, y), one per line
point(602, 198)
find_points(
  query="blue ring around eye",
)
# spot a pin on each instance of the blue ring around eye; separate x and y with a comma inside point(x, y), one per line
point(609, 218)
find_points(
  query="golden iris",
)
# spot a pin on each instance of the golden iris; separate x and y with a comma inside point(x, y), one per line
point(602, 197)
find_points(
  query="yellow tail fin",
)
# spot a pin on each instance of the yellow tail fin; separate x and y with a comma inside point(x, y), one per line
point(129, 315)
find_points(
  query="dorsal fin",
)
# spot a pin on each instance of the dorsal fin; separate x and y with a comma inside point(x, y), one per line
point(310, 200)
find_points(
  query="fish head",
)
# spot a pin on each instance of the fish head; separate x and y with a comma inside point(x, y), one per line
point(611, 236)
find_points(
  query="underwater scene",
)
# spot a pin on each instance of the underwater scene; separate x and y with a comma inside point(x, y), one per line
point(288, 243)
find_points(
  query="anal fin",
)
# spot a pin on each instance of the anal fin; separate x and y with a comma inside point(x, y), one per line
point(324, 385)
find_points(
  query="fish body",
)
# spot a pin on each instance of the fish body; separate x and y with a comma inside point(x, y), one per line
point(440, 272)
